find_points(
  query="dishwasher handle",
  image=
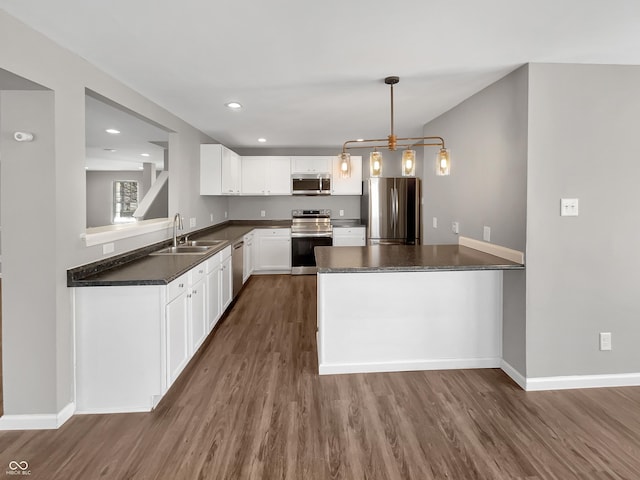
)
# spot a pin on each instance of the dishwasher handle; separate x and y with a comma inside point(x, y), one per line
point(238, 245)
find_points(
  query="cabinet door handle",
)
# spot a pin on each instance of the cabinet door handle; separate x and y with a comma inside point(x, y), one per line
point(195, 292)
point(181, 285)
point(200, 271)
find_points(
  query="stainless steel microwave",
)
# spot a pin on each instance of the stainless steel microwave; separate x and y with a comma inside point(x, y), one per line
point(311, 184)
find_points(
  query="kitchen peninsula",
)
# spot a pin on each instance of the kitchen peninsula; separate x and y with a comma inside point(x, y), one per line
point(400, 307)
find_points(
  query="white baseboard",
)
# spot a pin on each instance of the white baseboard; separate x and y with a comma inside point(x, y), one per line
point(515, 375)
point(409, 366)
point(583, 381)
point(42, 421)
point(102, 411)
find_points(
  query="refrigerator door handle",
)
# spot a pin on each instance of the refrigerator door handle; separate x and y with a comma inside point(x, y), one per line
point(396, 211)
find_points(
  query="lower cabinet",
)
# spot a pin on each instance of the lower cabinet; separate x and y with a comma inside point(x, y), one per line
point(272, 250)
point(247, 267)
point(132, 342)
point(349, 237)
point(177, 335)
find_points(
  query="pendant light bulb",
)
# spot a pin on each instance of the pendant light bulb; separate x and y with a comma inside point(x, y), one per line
point(345, 165)
point(375, 163)
point(443, 162)
point(409, 163)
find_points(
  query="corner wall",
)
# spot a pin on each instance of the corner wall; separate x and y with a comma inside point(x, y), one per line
point(583, 272)
point(487, 136)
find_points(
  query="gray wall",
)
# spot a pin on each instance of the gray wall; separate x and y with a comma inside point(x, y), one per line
point(487, 136)
point(61, 214)
point(583, 272)
point(28, 216)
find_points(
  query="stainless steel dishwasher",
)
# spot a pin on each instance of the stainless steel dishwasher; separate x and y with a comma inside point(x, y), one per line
point(237, 262)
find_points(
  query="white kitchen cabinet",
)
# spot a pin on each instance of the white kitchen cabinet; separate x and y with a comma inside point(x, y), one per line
point(272, 250)
point(226, 279)
point(311, 164)
point(266, 176)
point(197, 303)
point(132, 342)
point(349, 236)
point(177, 341)
point(347, 186)
point(247, 267)
point(214, 307)
point(220, 170)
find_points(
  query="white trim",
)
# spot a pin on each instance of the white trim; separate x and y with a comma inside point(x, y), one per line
point(583, 381)
point(515, 375)
point(438, 364)
point(492, 249)
point(109, 233)
point(42, 421)
point(106, 410)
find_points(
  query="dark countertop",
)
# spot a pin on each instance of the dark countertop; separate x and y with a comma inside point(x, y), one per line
point(348, 223)
point(140, 268)
point(407, 258)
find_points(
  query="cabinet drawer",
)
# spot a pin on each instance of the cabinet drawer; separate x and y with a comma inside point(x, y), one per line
point(225, 253)
point(273, 232)
point(197, 273)
point(214, 262)
point(178, 286)
point(348, 232)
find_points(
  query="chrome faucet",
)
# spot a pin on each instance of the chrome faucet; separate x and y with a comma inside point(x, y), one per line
point(177, 225)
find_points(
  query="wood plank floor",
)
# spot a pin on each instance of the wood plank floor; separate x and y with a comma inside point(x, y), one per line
point(251, 406)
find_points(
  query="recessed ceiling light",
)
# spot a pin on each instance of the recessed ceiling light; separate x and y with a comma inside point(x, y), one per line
point(86, 168)
point(140, 168)
point(144, 154)
point(234, 105)
point(360, 140)
point(110, 150)
point(262, 140)
point(112, 131)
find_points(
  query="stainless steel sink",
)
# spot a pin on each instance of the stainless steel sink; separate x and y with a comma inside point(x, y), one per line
point(204, 243)
point(192, 247)
point(184, 249)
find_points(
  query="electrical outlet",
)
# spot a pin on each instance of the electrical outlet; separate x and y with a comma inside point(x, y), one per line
point(435, 222)
point(192, 222)
point(605, 340)
point(263, 213)
point(107, 248)
point(486, 233)
point(455, 227)
point(211, 217)
point(568, 207)
point(342, 213)
point(225, 214)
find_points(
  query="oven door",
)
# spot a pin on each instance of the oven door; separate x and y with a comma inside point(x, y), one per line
point(303, 260)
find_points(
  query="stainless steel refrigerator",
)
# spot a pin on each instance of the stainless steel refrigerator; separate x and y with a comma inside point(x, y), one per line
point(391, 210)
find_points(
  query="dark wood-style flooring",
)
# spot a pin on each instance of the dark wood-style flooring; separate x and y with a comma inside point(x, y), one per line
point(252, 406)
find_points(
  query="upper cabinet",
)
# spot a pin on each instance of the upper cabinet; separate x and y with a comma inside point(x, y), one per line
point(347, 186)
point(220, 170)
point(266, 175)
point(224, 172)
point(311, 164)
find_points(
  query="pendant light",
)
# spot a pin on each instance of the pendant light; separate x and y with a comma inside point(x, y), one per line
point(375, 163)
point(345, 165)
point(392, 142)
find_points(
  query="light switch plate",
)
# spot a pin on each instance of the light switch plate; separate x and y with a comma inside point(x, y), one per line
point(342, 213)
point(263, 213)
point(486, 233)
point(192, 222)
point(605, 340)
point(435, 222)
point(568, 207)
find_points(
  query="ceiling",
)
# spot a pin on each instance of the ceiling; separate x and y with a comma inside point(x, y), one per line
point(311, 73)
point(138, 141)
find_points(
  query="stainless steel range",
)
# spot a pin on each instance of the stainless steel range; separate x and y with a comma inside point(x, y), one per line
point(309, 229)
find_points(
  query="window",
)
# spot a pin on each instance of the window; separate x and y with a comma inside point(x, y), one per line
point(125, 201)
